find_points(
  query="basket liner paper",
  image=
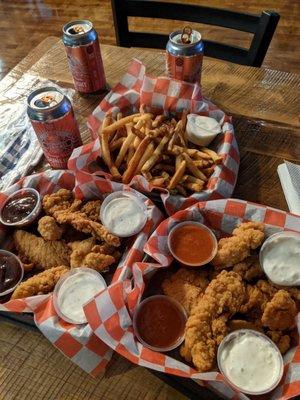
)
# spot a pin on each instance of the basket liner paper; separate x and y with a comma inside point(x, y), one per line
point(170, 96)
point(77, 342)
point(113, 323)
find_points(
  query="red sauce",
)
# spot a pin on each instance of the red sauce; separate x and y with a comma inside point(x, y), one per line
point(18, 207)
point(10, 272)
point(192, 244)
point(160, 322)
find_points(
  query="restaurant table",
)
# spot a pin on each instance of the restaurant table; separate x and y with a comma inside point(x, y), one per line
point(264, 103)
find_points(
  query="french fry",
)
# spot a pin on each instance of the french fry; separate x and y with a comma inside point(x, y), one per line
point(176, 178)
point(158, 120)
point(192, 167)
point(147, 154)
point(157, 181)
point(203, 163)
point(119, 124)
point(192, 179)
point(130, 153)
point(152, 160)
point(208, 171)
point(104, 140)
point(178, 162)
point(212, 155)
point(116, 144)
point(147, 175)
point(194, 153)
point(136, 142)
point(140, 121)
point(134, 162)
point(194, 187)
point(125, 146)
point(164, 167)
point(138, 133)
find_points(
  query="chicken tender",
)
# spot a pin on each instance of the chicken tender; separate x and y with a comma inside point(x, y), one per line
point(49, 229)
point(282, 341)
point(98, 261)
point(42, 283)
point(92, 210)
point(186, 286)
point(80, 249)
point(61, 200)
point(249, 269)
point(44, 254)
point(207, 324)
point(234, 249)
point(280, 313)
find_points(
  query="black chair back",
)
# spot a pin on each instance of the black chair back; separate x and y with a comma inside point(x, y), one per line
point(262, 26)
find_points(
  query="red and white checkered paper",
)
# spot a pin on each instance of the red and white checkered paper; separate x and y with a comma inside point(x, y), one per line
point(167, 95)
point(110, 313)
point(77, 342)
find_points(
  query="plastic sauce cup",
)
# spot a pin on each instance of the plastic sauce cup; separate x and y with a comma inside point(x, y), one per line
point(30, 217)
point(234, 335)
point(207, 231)
point(112, 224)
point(16, 263)
point(159, 319)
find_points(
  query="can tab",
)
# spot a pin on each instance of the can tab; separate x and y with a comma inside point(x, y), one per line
point(186, 35)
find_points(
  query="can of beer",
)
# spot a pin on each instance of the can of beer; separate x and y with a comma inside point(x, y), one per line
point(84, 56)
point(184, 55)
point(54, 123)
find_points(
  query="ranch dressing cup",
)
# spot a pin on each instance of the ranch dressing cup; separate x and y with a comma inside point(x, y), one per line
point(73, 290)
point(123, 214)
point(202, 130)
point(250, 361)
point(280, 258)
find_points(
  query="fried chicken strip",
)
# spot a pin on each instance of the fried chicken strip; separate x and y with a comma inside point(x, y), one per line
point(280, 312)
point(282, 341)
point(232, 250)
point(49, 229)
point(61, 200)
point(44, 254)
point(42, 283)
point(206, 325)
point(249, 269)
point(186, 286)
point(92, 209)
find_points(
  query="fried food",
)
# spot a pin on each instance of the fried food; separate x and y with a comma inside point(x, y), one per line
point(42, 283)
point(86, 254)
point(280, 312)
point(236, 324)
point(151, 145)
point(49, 229)
point(207, 324)
point(44, 254)
point(186, 286)
point(234, 249)
point(249, 269)
point(282, 341)
point(92, 209)
point(80, 222)
point(61, 200)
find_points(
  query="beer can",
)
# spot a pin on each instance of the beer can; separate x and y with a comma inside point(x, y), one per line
point(184, 55)
point(84, 56)
point(54, 123)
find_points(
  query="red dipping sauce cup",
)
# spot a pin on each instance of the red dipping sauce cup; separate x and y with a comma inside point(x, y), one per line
point(192, 243)
point(11, 272)
point(159, 323)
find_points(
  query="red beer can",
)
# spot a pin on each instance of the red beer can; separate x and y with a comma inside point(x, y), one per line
point(54, 123)
point(84, 56)
point(184, 55)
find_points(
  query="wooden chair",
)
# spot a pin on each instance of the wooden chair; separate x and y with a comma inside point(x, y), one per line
point(262, 27)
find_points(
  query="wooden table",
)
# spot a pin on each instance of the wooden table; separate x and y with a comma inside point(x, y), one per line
point(265, 106)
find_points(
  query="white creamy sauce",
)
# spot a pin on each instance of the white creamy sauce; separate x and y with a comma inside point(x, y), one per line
point(123, 216)
point(251, 363)
point(281, 260)
point(202, 130)
point(75, 291)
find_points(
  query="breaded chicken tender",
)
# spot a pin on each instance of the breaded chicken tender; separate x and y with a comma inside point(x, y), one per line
point(44, 254)
point(280, 312)
point(282, 341)
point(92, 209)
point(186, 286)
point(234, 249)
point(249, 269)
point(207, 324)
point(49, 229)
point(42, 283)
point(61, 200)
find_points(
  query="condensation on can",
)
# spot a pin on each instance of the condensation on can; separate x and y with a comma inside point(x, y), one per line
point(55, 126)
point(84, 57)
point(184, 61)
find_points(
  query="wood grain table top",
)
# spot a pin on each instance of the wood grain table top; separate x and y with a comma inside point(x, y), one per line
point(265, 106)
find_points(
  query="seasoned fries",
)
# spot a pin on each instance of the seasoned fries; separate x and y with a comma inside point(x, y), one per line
point(156, 147)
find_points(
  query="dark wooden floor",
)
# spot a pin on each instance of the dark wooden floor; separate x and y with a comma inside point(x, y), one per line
point(25, 23)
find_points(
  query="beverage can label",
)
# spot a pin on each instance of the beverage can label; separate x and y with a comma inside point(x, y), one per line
point(58, 138)
point(184, 68)
point(85, 63)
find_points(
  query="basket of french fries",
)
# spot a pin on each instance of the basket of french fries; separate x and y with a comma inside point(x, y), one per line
point(147, 135)
point(239, 314)
point(57, 253)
